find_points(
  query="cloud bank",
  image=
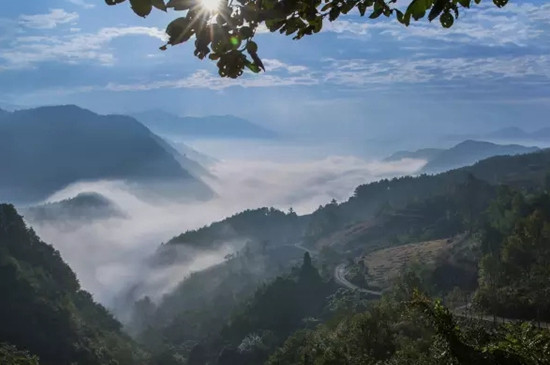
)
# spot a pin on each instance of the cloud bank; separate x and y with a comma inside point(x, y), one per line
point(109, 256)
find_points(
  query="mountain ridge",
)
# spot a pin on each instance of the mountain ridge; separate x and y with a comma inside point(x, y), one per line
point(469, 152)
point(54, 146)
point(215, 126)
point(462, 154)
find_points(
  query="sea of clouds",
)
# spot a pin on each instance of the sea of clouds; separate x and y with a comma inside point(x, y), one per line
point(110, 255)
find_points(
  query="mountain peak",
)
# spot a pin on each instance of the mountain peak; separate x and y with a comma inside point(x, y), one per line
point(471, 151)
point(73, 144)
point(213, 126)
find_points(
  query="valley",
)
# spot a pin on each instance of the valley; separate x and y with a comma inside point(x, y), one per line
point(208, 292)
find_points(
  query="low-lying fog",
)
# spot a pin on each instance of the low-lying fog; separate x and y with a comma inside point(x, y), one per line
point(108, 255)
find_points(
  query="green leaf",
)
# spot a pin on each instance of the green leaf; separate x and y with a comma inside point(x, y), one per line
point(181, 4)
point(179, 31)
point(252, 47)
point(159, 4)
point(114, 2)
point(141, 7)
point(417, 9)
point(252, 67)
point(438, 7)
point(447, 20)
point(246, 32)
point(376, 13)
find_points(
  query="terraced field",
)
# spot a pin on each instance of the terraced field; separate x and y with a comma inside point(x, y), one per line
point(386, 264)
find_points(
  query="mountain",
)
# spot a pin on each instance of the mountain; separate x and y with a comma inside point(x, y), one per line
point(192, 166)
point(470, 152)
point(83, 207)
point(395, 212)
point(51, 147)
point(226, 126)
point(192, 154)
point(44, 311)
point(509, 133)
point(543, 133)
point(422, 154)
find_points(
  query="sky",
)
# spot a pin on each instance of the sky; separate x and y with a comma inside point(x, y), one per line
point(359, 79)
point(359, 85)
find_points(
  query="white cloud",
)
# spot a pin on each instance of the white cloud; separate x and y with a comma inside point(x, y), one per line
point(82, 3)
point(274, 64)
point(48, 21)
point(360, 72)
point(517, 24)
point(27, 51)
point(116, 248)
point(203, 79)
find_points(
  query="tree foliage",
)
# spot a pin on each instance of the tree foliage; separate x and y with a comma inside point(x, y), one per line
point(226, 33)
point(10, 355)
point(416, 331)
point(44, 310)
point(514, 273)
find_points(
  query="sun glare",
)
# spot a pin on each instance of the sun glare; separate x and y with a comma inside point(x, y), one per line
point(210, 5)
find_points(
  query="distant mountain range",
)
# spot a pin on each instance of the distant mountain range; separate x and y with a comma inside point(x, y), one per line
point(45, 149)
point(83, 207)
point(463, 154)
point(508, 134)
point(422, 154)
point(221, 126)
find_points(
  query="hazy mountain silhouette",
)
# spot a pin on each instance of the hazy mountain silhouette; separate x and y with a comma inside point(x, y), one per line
point(51, 147)
point(463, 154)
point(507, 134)
point(85, 206)
point(470, 152)
point(219, 126)
point(422, 154)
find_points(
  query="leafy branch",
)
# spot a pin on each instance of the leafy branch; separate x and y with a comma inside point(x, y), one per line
point(225, 34)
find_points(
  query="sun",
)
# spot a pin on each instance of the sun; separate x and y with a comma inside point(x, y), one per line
point(210, 5)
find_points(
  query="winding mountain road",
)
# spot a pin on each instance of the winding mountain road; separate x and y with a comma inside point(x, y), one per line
point(340, 272)
point(340, 277)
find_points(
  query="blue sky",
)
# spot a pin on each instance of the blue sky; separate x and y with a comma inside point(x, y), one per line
point(359, 78)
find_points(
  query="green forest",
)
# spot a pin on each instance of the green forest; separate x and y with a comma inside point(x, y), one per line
point(484, 300)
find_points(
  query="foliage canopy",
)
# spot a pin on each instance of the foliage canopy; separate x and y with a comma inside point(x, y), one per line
point(224, 29)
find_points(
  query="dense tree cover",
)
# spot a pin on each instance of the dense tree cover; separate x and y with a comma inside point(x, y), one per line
point(514, 272)
point(413, 331)
point(44, 310)
point(181, 321)
point(83, 207)
point(263, 224)
point(442, 205)
point(224, 30)
point(9, 355)
point(400, 199)
point(238, 326)
point(274, 312)
point(317, 317)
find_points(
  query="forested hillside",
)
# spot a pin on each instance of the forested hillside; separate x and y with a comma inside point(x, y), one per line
point(389, 203)
point(83, 207)
point(51, 147)
point(514, 271)
point(230, 321)
point(44, 311)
